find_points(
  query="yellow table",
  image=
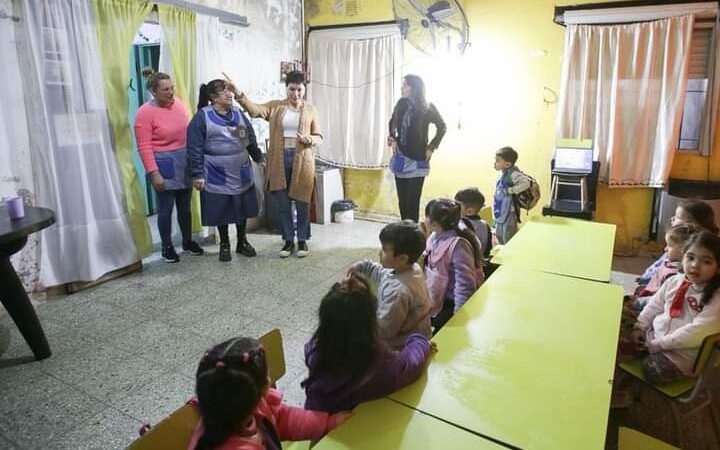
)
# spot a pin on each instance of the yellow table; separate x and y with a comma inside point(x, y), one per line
point(384, 424)
point(572, 247)
point(527, 361)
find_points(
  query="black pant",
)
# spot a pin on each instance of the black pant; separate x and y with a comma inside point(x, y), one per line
point(409, 191)
point(240, 227)
point(445, 314)
point(181, 199)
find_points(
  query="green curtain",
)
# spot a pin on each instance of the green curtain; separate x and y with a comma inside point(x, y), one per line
point(116, 22)
point(178, 27)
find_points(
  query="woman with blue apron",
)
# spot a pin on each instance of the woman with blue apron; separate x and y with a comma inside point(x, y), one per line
point(220, 143)
point(408, 138)
point(160, 133)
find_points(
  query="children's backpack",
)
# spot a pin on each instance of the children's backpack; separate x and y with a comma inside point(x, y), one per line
point(528, 198)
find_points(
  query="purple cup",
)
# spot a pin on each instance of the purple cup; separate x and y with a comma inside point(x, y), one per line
point(15, 207)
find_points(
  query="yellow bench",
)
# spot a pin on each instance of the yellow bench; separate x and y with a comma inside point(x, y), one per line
point(486, 214)
point(629, 439)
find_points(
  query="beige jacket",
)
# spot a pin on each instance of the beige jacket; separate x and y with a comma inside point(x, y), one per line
point(303, 177)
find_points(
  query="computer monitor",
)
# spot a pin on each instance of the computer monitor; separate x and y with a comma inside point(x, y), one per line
point(573, 160)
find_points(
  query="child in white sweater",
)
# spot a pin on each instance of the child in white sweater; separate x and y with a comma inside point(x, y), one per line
point(684, 311)
point(403, 301)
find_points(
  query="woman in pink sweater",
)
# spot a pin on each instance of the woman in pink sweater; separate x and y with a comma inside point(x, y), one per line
point(161, 133)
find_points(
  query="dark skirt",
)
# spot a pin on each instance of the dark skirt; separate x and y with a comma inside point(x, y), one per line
point(223, 209)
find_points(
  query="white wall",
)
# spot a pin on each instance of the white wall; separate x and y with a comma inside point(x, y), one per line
point(251, 55)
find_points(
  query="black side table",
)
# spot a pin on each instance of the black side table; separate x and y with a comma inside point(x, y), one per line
point(13, 237)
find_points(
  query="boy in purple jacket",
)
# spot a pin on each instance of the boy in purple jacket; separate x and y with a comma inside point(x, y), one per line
point(348, 364)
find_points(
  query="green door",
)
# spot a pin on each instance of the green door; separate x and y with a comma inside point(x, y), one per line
point(145, 55)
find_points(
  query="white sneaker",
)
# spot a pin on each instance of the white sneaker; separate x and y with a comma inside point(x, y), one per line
point(287, 249)
point(302, 249)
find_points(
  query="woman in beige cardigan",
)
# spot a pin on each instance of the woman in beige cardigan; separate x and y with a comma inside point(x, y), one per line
point(294, 131)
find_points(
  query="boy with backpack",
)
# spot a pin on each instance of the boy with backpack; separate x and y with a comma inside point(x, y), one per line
point(471, 202)
point(512, 191)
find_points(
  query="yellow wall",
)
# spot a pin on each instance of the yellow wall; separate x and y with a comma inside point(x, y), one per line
point(694, 167)
point(491, 97)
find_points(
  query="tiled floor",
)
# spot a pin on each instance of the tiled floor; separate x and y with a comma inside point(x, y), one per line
point(125, 352)
point(625, 269)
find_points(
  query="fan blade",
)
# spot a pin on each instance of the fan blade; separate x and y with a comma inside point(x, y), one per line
point(431, 30)
point(450, 31)
point(418, 8)
point(440, 10)
point(450, 27)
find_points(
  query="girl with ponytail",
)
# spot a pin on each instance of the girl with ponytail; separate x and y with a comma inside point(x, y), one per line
point(453, 260)
point(238, 408)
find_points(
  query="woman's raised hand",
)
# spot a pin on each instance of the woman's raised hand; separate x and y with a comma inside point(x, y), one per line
point(230, 85)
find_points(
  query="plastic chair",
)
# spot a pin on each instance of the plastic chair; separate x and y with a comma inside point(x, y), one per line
point(630, 439)
point(175, 431)
point(697, 391)
point(273, 344)
point(680, 387)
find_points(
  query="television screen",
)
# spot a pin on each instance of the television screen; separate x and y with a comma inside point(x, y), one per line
point(573, 160)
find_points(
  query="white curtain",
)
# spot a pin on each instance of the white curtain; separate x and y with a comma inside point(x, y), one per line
point(165, 62)
point(207, 47)
point(76, 172)
point(16, 176)
point(623, 86)
point(354, 81)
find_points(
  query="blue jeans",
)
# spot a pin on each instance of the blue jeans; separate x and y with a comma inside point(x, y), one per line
point(181, 199)
point(284, 206)
point(504, 231)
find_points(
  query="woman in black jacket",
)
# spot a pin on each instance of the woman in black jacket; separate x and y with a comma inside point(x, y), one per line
point(409, 140)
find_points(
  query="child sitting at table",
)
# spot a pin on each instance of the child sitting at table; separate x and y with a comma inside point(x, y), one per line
point(675, 240)
point(348, 364)
point(691, 212)
point(238, 408)
point(403, 301)
point(453, 260)
point(471, 202)
point(684, 311)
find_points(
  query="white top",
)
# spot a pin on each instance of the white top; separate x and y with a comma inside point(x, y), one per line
point(290, 122)
point(679, 338)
